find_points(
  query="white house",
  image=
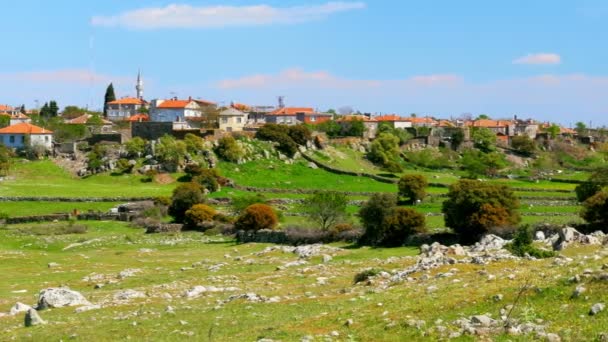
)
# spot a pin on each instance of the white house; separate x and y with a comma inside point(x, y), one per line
point(20, 118)
point(124, 108)
point(232, 120)
point(174, 110)
point(25, 134)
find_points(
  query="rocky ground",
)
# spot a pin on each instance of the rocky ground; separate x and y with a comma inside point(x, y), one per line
point(117, 283)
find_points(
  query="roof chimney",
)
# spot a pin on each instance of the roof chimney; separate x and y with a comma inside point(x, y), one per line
point(189, 98)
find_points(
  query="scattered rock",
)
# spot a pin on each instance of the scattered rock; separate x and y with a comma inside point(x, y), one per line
point(52, 264)
point(128, 294)
point(32, 318)
point(596, 309)
point(482, 321)
point(19, 308)
point(88, 308)
point(60, 297)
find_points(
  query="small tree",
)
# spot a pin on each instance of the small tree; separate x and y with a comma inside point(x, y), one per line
point(170, 152)
point(400, 224)
point(194, 143)
point(484, 139)
point(135, 147)
point(229, 150)
point(384, 149)
point(240, 203)
point(257, 216)
point(595, 183)
point(523, 144)
point(184, 197)
point(5, 160)
point(326, 208)
point(280, 135)
point(208, 179)
point(198, 214)
point(108, 97)
point(373, 214)
point(595, 208)
point(457, 138)
point(473, 207)
point(300, 134)
point(412, 187)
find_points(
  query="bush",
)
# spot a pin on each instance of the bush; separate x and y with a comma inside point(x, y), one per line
point(522, 244)
point(365, 275)
point(229, 150)
point(595, 183)
point(373, 214)
point(280, 135)
point(399, 226)
point(595, 208)
point(208, 179)
point(256, 217)
point(198, 214)
point(149, 176)
point(412, 187)
point(135, 147)
point(300, 134)
point(523, 144)
point(184, 197)
point(384, 149)
point(240, 203)
point(473, 207)
point(325, 208)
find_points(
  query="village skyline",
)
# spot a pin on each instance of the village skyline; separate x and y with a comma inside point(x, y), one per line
point(436, 59)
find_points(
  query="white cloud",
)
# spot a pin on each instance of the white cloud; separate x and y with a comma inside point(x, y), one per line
point(296, 77)
point(73, 76)
point(539, 58)
point(186, 16)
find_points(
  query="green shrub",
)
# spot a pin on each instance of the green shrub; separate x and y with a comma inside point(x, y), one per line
point(229, 150)
point(208, 179)
point(522, 244)
point(595, 208)
point(300, 134)
point(412, 187)
point(240, 203)
point(325, 208)
point(399, 225)
point(184, 197)
point(372, 215)
point(473, 207)
point(280, 135)
point(149, 175)
point(256, 217)
point(365, 275)
point(135, 147)
point(523, 144)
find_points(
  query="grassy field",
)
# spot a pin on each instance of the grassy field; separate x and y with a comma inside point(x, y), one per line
point(314, 299)
point(44, 178)
point(26, 208)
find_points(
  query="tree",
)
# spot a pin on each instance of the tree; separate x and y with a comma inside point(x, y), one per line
point(198, 214)
point(384, 149)
point(108, 97)
point(71, 112)
point(400, 224)
point(280, 135)
point(300, 134)
point(478, 164)
point(580, 128)
point(5, 121)
point(257, 216)
point(194, 143)
point(372, 215)
point(482, 117)
point(326, 208)
point(53, 109)
point(6, 156)
point(356, 128)
point(207, 178)
point(553, 131)
point(484, 139)
point(473, 207)
point(412, 187)
point(135, 147)
point(45, 111)
point(229, 150)
point(523, 144)
point(171, 152)
point(595, 183)
point(595, 208)
point(184, 197)
point(240, 203)
point(330, 127)
point(457, 138)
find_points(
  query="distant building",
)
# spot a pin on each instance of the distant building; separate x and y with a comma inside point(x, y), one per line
point(395, 120)
point(232, 120)
point(19, 118)
point(371, 125)
point(104, 126)
point(9, 110)
point(287, 115)
point(25, 134)
point(183, 113)
point(124, 108)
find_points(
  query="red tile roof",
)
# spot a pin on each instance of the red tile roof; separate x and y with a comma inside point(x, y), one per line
point(292, 111)
point(356, 117)
point(6, 108)
point(128, 101)
point(139, 117)
point(83, 119)
point(488, 123)
point(423, 120)
point(204, 102)
point(24, 128)
point(389, 117)
point(174, 104)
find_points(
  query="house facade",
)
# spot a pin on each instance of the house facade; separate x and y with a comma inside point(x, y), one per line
point(6, 109)
point(103, 126)
point(313, 118)
point(124, 108)
point(232, 120)
point(287, 115)
point(395, 120)
point(25, 134)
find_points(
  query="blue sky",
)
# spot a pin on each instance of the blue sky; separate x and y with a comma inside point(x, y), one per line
point(542, 59)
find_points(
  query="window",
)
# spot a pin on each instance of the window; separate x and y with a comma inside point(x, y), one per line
point(46, 138)
point(224, 120)
point(238, 120)
point(23, 139)
point(1, 139)
point(12, 139)
point(313, 118)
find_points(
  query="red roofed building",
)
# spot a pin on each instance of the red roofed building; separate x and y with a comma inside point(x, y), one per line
point(141, 117)
point(287, 115)
point(396, 120)
point(186, 113)
point(6, 109)
point(124, 108)
point(25, 134)
point(371, 124)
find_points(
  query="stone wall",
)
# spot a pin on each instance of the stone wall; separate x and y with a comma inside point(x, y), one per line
point(151, 130)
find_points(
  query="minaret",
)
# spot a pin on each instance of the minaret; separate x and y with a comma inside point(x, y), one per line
point(139, 87)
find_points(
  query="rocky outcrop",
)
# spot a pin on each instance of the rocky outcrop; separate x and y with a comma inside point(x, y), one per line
point(59, 297)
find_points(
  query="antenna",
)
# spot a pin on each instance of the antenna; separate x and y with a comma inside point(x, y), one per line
point(281, 101)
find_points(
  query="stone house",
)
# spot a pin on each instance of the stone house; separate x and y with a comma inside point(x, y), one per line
point(232, 120)
point(124, 108)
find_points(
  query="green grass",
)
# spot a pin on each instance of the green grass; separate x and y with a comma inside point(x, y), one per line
point(27, 208)
point(305, 308)
point(44, 178)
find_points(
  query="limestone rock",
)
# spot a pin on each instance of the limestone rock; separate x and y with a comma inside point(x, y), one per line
point(597, 308)
point(18, 308)
point(59, 297)
point(32, 318)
